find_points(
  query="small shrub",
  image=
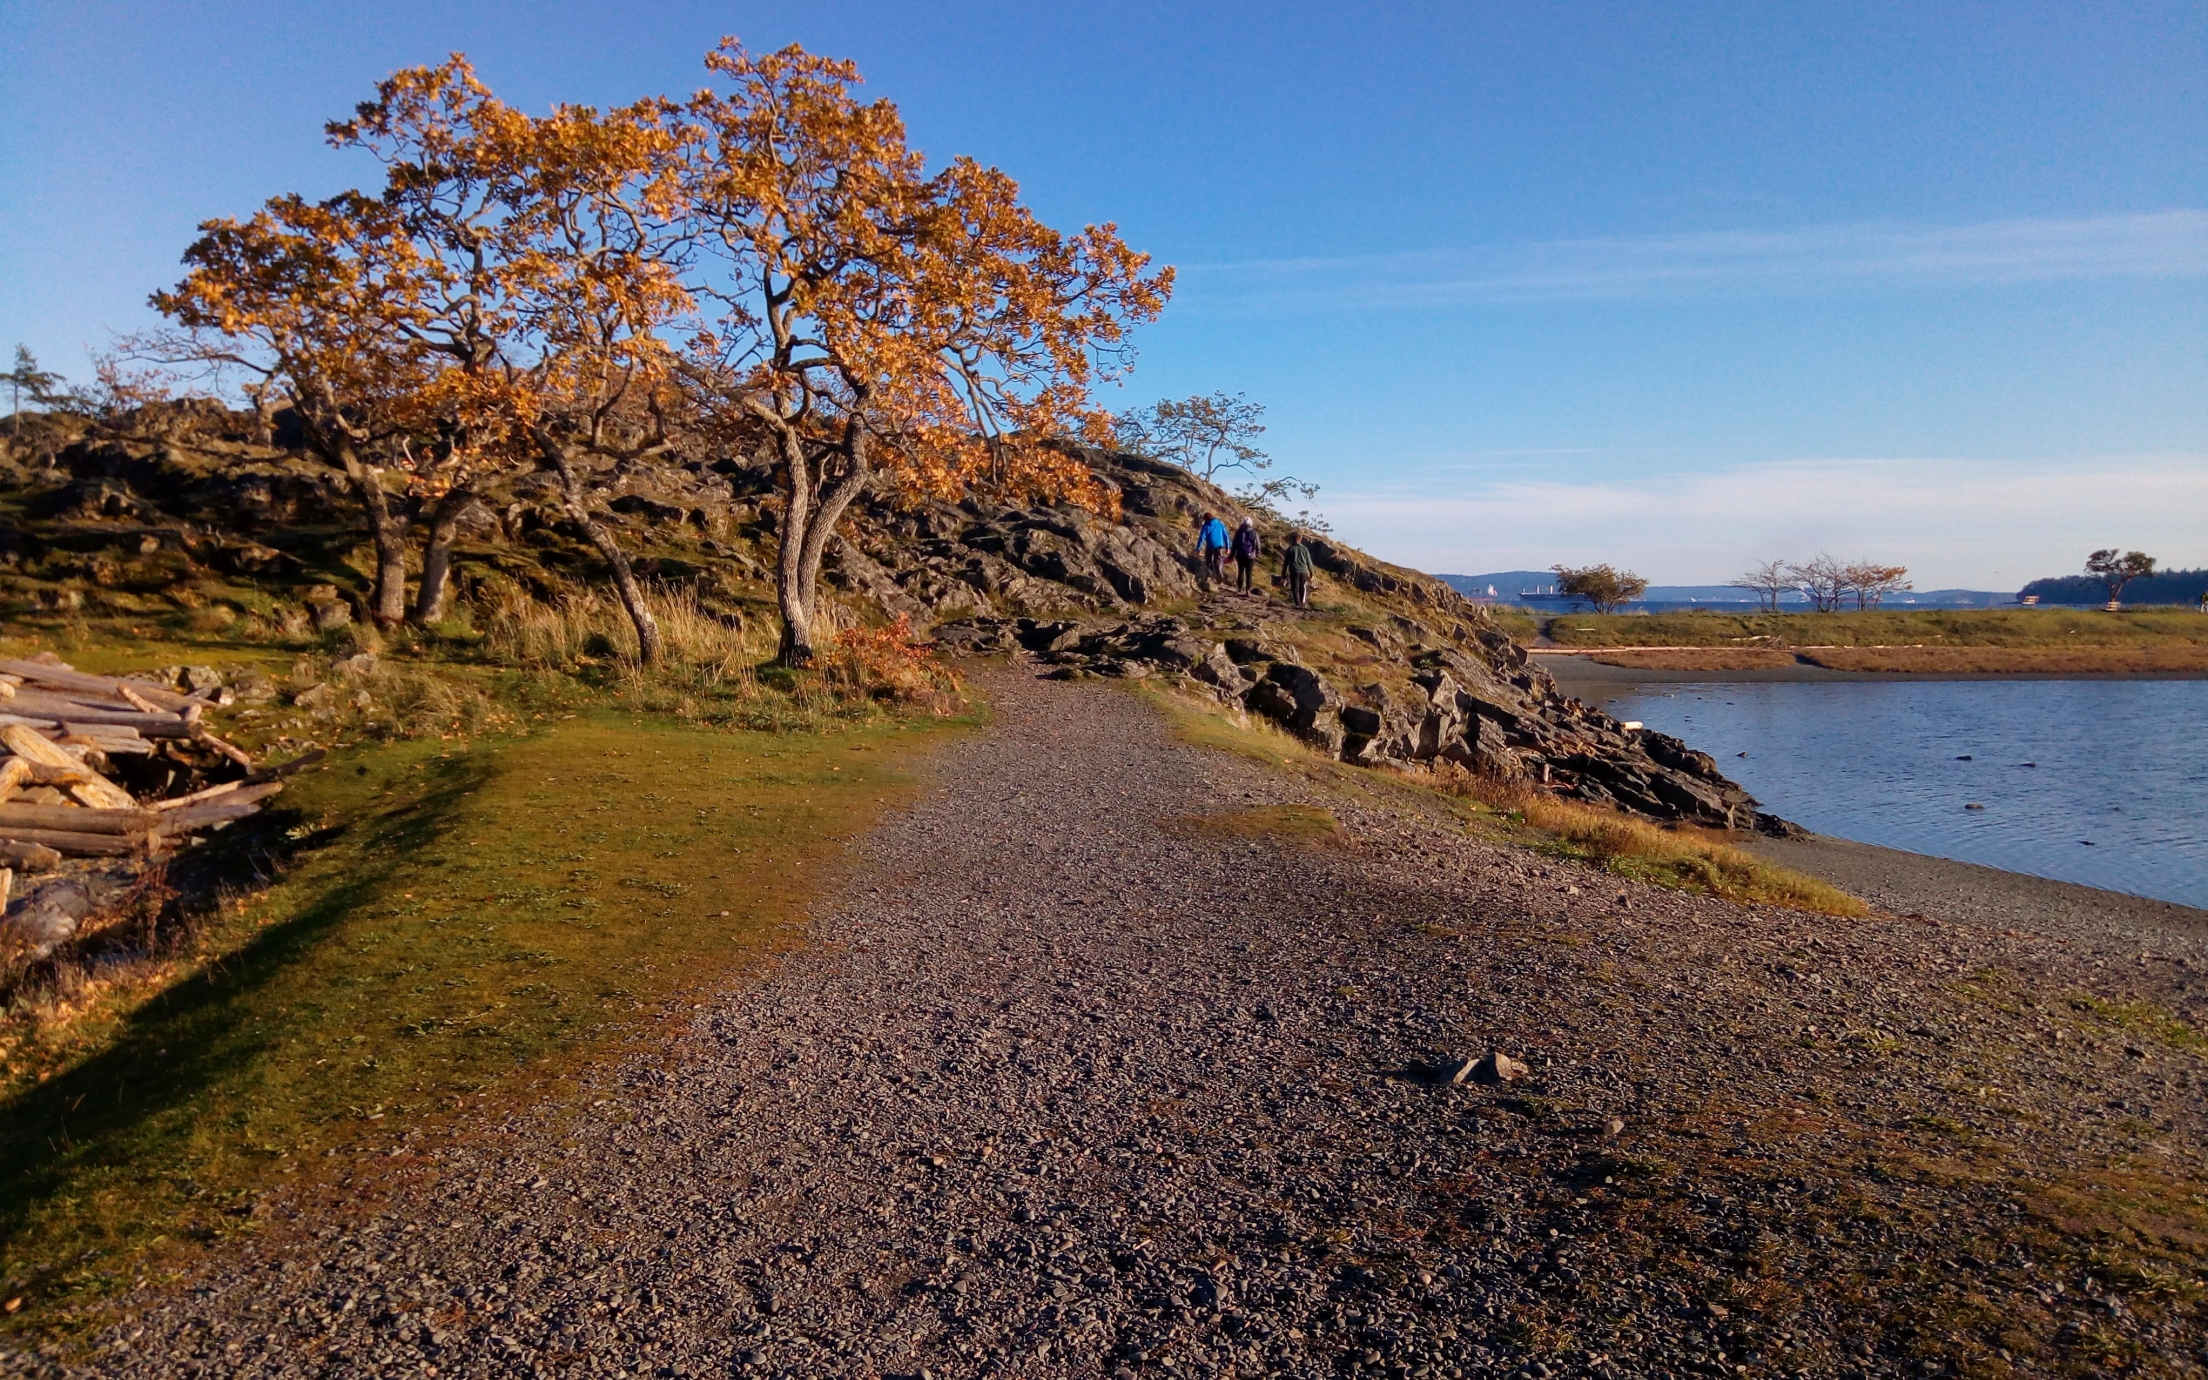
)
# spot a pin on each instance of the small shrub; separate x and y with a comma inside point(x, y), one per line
point(886, 664)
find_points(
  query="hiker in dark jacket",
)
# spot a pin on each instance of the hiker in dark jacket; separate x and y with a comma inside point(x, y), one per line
point(1295, 563)
point(1245, 555)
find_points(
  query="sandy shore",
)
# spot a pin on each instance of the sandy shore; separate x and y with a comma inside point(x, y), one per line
point(1915, 883)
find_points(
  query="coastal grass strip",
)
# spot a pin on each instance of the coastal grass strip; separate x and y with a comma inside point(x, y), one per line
point(1890, 630)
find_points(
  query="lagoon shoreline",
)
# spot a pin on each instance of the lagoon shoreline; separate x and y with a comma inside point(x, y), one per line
point(1573, 670)
point(1905, 882)
point(1918, 884)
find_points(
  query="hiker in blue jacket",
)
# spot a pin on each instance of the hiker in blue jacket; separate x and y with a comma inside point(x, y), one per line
point(1245, 555)
point(1211, 547)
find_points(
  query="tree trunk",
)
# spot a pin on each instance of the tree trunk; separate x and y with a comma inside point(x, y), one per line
point(649, 648)
point(444, 524)
point(387, 603)
point(264, 415)
point(796, 649)
point(806, 527)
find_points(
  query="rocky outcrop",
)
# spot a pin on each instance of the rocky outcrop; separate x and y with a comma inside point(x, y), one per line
point(1480, 707)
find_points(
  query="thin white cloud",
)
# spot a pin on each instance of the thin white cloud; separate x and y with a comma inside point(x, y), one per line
point(2159, 244)
point(1956, 523)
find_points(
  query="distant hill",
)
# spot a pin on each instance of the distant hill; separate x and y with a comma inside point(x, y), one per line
point(1512, 586)
point(2170, 587)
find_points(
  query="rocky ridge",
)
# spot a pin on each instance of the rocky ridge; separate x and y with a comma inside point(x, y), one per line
point(1392, 667)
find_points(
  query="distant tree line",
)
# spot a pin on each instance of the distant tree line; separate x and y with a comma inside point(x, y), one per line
point(2128, 577)
point(1828, 584)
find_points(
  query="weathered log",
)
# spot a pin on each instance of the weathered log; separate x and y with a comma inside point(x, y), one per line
point(94, 790)
point(31, 857)
point(198, 797)
point(76, 844)
point(70, 678)
point(203, 816)
point(284, 769)
point(31, 705)
point(133, 745)
point(43, 775)
point(228, 793)
point(57, 723)
point(13, 773)
point(235, 754)
point(77, 819)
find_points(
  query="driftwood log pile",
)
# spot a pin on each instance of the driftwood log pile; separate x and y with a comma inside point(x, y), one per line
point(59, 725)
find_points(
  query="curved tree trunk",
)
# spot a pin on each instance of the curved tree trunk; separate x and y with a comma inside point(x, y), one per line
point(263, 398)
point(387, 602)
point(649, 646)
point(444, 525)
point(809, 520)
point(796, 649)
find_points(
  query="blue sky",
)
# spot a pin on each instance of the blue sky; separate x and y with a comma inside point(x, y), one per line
point(1675, 286)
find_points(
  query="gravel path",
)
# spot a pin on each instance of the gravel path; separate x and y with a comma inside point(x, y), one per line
point(1071, 1082)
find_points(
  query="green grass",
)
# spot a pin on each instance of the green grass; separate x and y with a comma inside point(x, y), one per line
point(2035, 628)
point(1520, 623)
point(2141, 1018)
point(461, 924)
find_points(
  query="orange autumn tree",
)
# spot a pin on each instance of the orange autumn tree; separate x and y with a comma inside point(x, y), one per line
point(496, 305)
point(324, 302)
point(559, 235)
point(880, 324)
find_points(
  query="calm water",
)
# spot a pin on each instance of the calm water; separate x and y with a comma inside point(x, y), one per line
point(2101, 782)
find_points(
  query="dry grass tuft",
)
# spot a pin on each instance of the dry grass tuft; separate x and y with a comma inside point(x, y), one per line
point(589, 627)
point(1684, 858)
point(718, 668)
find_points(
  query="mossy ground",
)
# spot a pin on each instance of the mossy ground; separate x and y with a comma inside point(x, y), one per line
point(453, 921)
point(1296, 824)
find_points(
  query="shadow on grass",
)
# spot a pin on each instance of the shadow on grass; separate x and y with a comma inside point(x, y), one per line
point(121, 1122)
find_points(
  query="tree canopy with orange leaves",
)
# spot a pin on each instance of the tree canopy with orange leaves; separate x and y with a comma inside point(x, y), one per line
point(768, 262)
point(562, 241)
point(880, 323)
point(329, 301)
